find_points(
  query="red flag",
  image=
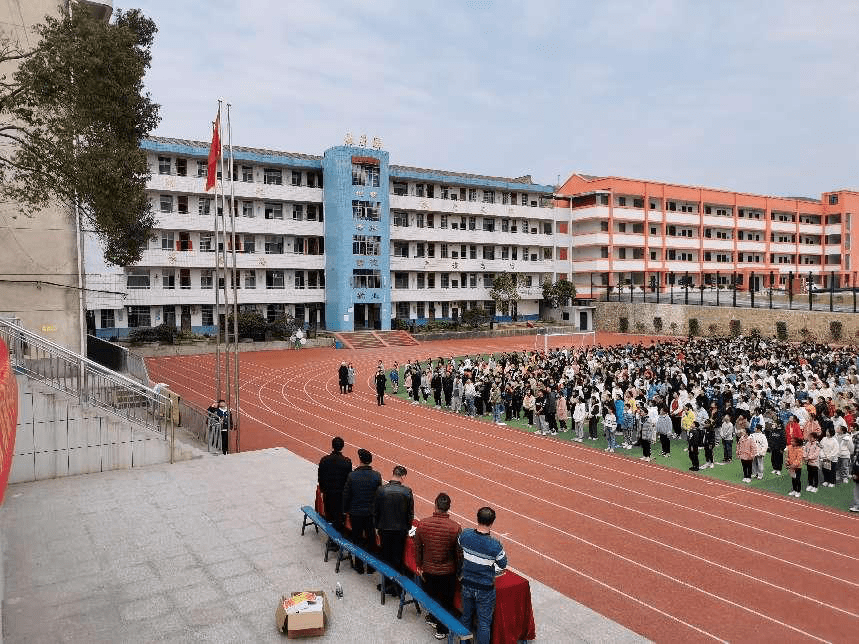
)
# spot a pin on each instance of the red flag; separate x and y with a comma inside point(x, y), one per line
point(214, 153)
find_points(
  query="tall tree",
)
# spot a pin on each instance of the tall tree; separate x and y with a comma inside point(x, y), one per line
point(73, 116)
point(558, 294)
point(505, 293)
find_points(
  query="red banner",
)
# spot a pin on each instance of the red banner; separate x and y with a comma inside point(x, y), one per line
point(8, 416)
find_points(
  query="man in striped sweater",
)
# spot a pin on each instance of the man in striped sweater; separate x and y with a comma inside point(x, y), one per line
point(481, 553)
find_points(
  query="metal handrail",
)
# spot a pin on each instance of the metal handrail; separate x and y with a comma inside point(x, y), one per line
point(64, 370)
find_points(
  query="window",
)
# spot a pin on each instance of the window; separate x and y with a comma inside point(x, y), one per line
point(366, 210)
point(298, 212)
point(442, 223)
point(472, 280)
point(247, 174)
point(488, 280)
point(421, 312)
point(366, 245)
point(472, 252)
point(444, 252)
point(312, 212)
point(185, 278)
point(202, 168)
point(419, 249)
point(833, 199)
point(272, 176)
point(488, 196)
point(604, 252)
point(488, 224)
point(401, 280)
point(419, 220)
point(206, 278)
point(430, 249)
point(472, 223)
point(602, 200)
point(547, 228)
point(107, 319)
point(182, 167)
point(207, 242)
point(167, 242)
point(421, 280)
point(445, 192)
point(248, 209)
point(274, 312)
point(184, 242)
point(204, 207)
point(430, 280)
point(401, 249)
point(248, 244)
point(182, 204)
point(164, 164)
point(207, 315)
point(138, 316)
point(638, 202)
point(366, 278)
point(621, 201)
point(430, 220)
point(472, 194)
point(274, 245)
point(402, 310)
point(273, 210)
point(401, 219)
point(296, 177)
point(274, 279)
point(419, 188)
point(401, 189)
point(489, 252)
point(445, 280)
point(250, 279)
point(166, 203)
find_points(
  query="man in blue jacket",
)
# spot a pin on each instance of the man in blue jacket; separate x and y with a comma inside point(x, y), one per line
point(481, 554)
point(359, 495)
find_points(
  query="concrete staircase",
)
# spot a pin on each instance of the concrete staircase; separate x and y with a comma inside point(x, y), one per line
point(375, 339)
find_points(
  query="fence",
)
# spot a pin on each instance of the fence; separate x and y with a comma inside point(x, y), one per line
point(59, 368)
point(205, 427)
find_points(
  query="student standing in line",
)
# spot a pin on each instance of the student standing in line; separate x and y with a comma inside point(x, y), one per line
point(709, 443)
point(381, 383)
point(593, 417)
point(693, 441)
point(761, 447)
point(648, 431)
point(829, 457)
point(746, 453)
point(609, 425)
point(794, 462)
point(528, 404)
point(811, 455)
point(664, 428)
point(726, 435)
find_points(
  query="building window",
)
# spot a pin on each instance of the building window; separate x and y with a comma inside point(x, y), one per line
point(247, 174)
point(401, 280)
point(419, 249)
point(472, 194)
point(202, 168)
point(366, 210)
point(638, 202)
point(401, 249)
point(366, 245)
point(204, 206)
point(167, 242)
point(366, 278)
point(401, 219)
point(488, 225)
point(445, 280)
point(273, 210)
point(168, 279)
point(419, 220)
point(296, 177)
point(138, 316)
point(185, 278)
point(488, 196)
point(274, 279)
point(182, 204)
point(248, 209)
point(207, 315)
point(249, 245)
point(107, 319)
point(402, 310)
point(489, 252)
point(401, 189)
point(421, 312)
point(164, 165)
point(166, 203)
point(444, 251)
point(274, 245)
point(833, 201)
point(272, 176)
point(430, 249)
point(621, 201)
point(206, 278)
point(421, 280)
point(207, 242)
point(312, 212)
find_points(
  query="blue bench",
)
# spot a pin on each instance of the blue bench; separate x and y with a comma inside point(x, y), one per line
point(348, 550)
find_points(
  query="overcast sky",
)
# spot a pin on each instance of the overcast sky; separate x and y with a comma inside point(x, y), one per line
point(758, 96)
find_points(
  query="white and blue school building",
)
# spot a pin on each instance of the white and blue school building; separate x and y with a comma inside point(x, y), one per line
point(343, 241)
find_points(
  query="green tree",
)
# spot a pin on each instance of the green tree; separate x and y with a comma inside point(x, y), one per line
point(558, 294)
point(505, 292)
point(73, 115)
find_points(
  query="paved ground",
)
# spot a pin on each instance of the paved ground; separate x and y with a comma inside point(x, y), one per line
point(200, 550)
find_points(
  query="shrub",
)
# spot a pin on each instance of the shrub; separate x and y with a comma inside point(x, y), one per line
point(736, 328)
point(673, 326)
point(805, 333)
point(694, 327)
point(640, 328)
point(657, 324)
point(251, 325)
point(755, 332)
point(835, 329)
point(781, 330)
point(400, 324)
point(623, 325)
point(475, 317)
point(160, 333)
point(713, 329)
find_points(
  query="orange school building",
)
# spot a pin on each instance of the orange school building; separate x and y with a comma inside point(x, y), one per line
point(653, 235)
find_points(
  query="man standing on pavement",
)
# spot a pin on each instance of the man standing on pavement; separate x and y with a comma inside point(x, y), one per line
point(394, 511)
point(334, 469)
point(343, 377)
point(358, 496)
point(436, 556)
point(381, 383)
point(481, 553)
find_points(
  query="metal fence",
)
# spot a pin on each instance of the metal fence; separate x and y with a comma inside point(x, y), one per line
point(205, 427)
point(798, 293)
point(59, 368)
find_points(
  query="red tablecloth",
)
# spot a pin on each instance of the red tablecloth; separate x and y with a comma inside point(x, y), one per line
point(514, 617)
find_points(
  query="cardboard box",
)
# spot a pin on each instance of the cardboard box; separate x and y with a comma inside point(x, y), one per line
point(307, 621)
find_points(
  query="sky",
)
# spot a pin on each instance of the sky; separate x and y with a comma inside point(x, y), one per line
point(757, 96)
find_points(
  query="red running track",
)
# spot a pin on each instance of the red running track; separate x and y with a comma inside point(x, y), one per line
point(668, 554)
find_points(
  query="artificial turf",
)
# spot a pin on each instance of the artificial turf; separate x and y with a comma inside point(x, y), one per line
point(840, 497)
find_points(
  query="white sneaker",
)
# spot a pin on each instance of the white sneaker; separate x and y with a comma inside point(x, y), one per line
point(711, 466)
point(745, 480)
point(774, 472)
point(777, 472)
point(808, 488)
point(760, 476)
point(814, 489)
point(854, 508)
point(579, 440)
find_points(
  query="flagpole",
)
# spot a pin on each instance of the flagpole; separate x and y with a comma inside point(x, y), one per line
point(228, 388)
point(216, 318)
point(235, 279)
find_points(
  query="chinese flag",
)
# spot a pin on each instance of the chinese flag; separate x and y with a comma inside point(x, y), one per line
point(214, 153)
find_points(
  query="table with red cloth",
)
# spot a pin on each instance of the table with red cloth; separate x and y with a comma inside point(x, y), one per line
point(513, 619)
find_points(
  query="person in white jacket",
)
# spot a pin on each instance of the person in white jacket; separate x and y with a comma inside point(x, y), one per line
point(829, 457)
point(845, 452)
point(579, 415)
point(761, 446)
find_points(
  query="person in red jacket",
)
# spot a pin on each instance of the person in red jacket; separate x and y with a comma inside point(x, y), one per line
point(436, 556)
point(793, 430)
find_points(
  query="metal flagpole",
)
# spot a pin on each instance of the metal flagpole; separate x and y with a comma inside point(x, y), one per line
point(216, 319)
point(235, 281)
point(228, 388)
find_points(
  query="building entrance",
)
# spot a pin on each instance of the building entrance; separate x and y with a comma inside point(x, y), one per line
point(368, 316)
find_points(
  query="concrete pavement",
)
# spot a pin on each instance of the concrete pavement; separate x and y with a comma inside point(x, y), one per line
point(200, 551)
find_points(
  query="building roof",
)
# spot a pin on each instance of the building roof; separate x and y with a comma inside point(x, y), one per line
point(204, 145)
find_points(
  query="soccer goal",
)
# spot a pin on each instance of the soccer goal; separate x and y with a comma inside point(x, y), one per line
point(574, 340)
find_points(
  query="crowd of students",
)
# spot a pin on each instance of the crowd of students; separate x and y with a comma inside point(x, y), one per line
point(722, 397)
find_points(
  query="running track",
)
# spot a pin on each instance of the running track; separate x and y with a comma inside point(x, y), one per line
point(668, 554)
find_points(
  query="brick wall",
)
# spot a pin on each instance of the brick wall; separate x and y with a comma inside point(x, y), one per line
point(714, 320)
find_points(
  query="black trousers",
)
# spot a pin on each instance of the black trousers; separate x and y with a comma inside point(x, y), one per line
point(777, 459)
point(225, 440)
point(665, 442)
point(552, 421)
point(693, 456)
point(363, 534)
point(829, 474)
point(441, 588)
point(393, 544)
point(645, 446)
point(812, 475)
point(727, 450)
point(334, 508)
point(529, 414)
point(747, 469)
point(675, 424)
point(708, 453)
point(796, 479)
point(380, 396)
point(592, 428)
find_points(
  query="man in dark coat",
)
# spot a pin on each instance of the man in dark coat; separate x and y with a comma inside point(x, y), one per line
point(358, 497)
point(393, 512)
point(334, 469)
point(381, 383)
point(343, 377)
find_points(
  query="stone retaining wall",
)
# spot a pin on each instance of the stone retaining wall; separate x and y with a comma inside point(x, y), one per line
point(714, 320)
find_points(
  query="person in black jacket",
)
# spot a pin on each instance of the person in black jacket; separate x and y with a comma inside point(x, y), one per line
point(393, 513)
point(694, 440)
point(358, 496)
point(334, 469)
point(381, 383)
point(343, 377)
point(774, 433)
